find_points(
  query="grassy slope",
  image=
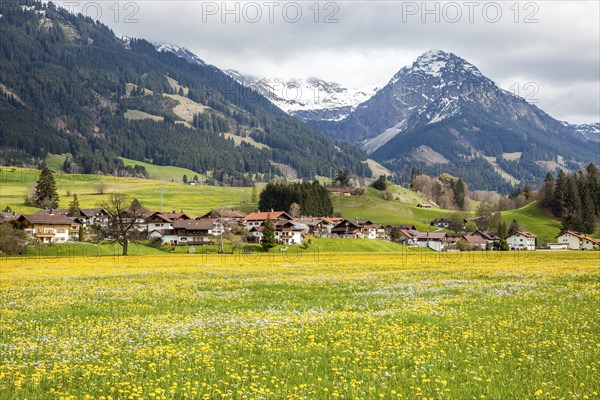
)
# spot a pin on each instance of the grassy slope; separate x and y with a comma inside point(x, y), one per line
point(535, 220)
point(159, 172)
point(403, 211)
point(530, 217)
point(192, 199)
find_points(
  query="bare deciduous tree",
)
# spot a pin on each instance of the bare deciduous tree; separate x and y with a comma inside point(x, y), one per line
point(123, 214)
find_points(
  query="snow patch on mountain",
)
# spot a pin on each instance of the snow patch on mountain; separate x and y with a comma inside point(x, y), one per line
point(312, 96)
point(588, 131)
point(179, 52)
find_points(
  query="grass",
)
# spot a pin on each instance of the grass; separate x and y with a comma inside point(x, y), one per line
point(373, 207)
point(315, 326)
point(195, 200)
point(55, 162)
point(166, 173)
point(135, 115)
point(535, 220)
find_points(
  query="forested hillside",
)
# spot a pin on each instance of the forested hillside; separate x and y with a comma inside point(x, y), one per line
point(69, 86)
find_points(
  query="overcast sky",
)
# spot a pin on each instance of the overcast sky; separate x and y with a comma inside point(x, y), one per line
point(553, 45)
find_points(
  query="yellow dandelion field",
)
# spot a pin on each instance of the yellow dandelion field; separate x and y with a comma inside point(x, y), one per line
point(304, 326)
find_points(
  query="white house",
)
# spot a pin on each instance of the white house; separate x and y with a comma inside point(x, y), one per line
point(578, 241)
point(189, 232)
point(434, 240)
point(521, 241)
point(289, 232)
point(93, 216)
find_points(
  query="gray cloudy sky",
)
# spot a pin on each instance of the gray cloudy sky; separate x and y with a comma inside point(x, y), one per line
point(554, 44)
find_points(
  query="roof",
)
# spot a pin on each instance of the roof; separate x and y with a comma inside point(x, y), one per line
point(160, 216)
point(580, 236)
point(194, 224)
point(91, 212)
point(294, 225)
point(216, 213)
point(487, 235)
point(8, 216)
point(309, 222)
point(525, 234)
point(409, 233)
point(62, 211)
point(261, 216)
point(474, 239)
point(431, 235)
point(50, 219)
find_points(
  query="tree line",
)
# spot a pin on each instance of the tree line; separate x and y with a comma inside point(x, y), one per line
point(298, 198)
point(574, 198)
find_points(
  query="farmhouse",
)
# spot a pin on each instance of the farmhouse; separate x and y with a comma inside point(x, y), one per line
point(475, 241)
point(258, 218)
point(521, 241)
point(356, 228)
point(289, 232)
point(434, 240)
point(408, 237)
point(489, 237)
point(317, 227)
point(93, 217)
point(49, 228)
point(578, 241)
point(190, 232)
point(158, 221)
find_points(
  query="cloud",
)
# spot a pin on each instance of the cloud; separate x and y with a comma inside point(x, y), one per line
point(357, 43)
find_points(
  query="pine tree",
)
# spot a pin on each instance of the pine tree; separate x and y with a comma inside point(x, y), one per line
point(74, 206)
point(185, 179)
point(502, 230)
point(560, 190)
point(45, 195)
point(81, 236)
point(588, 213)
point(514, 228)
point(547, 191)
point(268, 235)
point(459, 194)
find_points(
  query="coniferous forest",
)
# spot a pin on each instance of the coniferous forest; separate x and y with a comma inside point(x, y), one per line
point(312, 198)
point(574, 198)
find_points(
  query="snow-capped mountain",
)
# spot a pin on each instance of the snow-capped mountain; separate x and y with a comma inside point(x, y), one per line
point(309, 99)
point(588, 131)
point(180, 52)
point(443, 110)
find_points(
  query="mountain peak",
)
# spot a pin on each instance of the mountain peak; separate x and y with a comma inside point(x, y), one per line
point(437, 62)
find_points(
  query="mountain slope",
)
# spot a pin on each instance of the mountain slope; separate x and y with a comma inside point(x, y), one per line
point(442, 113)
point(70, 86)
